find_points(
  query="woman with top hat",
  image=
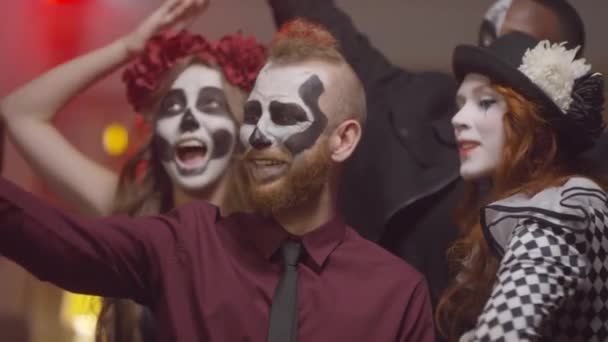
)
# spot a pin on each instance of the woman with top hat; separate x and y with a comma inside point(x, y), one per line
point(533, 262)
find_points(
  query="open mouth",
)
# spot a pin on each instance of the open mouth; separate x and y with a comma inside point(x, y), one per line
point(191, 154)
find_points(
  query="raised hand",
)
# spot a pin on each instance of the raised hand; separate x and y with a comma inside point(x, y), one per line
point(175, 14)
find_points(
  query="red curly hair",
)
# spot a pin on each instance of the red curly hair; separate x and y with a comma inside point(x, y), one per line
point(300, 39)
point(531, 162)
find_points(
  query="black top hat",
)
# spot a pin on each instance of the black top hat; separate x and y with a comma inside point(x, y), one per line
point(572, 103)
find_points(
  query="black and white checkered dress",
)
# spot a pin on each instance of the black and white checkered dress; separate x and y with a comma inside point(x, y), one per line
point(552, 283)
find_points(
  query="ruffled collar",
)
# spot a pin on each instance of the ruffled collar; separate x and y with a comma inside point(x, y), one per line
point(569, 206)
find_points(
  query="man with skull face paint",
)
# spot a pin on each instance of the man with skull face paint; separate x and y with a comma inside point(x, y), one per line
point(288, 122)
point(401, 186)
point(214, 278)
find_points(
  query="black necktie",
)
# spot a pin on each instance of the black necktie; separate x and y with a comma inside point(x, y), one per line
point(283, 325)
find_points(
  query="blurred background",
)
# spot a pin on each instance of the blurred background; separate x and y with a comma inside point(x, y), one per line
point(39, 34)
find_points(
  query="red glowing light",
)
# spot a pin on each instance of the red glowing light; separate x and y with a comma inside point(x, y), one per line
point(61, 1)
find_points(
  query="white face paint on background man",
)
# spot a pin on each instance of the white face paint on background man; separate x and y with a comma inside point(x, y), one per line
point(195, 132)
point(493, 21)
point(479, 127)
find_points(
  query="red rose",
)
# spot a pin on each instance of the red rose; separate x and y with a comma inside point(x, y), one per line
point(240, 58)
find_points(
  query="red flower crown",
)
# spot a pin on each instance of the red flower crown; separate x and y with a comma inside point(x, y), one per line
point(239, 57)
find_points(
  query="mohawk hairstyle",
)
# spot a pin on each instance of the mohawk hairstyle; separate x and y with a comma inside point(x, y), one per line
point(300, 39)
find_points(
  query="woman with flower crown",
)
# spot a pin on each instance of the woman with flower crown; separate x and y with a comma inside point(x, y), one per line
point(190, 90)
point(534, 265)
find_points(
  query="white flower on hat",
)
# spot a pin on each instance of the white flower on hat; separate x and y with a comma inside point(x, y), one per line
point(553, 68)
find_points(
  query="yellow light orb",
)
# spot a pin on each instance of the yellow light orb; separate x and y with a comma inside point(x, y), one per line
point(80, 313)
point(115, 139)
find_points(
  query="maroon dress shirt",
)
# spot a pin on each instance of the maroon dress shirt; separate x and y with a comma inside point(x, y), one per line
point(209, 278)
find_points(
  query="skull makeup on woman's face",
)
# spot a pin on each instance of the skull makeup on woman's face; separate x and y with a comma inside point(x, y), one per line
point(287, 160)
point(195, 132)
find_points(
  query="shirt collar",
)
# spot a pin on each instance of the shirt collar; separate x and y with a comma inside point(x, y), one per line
point(268, 235)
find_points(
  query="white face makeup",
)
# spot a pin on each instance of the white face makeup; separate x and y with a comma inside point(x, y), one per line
point(283, 114)
point(195, 132)
point(493, 21)
point(479, 127)
point(497, 13)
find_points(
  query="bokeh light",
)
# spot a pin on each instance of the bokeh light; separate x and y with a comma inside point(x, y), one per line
point(59, 2)
point(115, 139)
point(80, 313)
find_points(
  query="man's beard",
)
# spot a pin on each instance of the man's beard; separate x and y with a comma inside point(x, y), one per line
point(302, 183)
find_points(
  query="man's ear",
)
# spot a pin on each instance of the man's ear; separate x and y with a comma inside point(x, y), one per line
point(344, 139)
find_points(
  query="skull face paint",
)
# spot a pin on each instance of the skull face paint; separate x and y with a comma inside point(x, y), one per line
point(479, 127)
point(194, 129)
point(286, 160)
point(493, 21)
point(283, 109)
